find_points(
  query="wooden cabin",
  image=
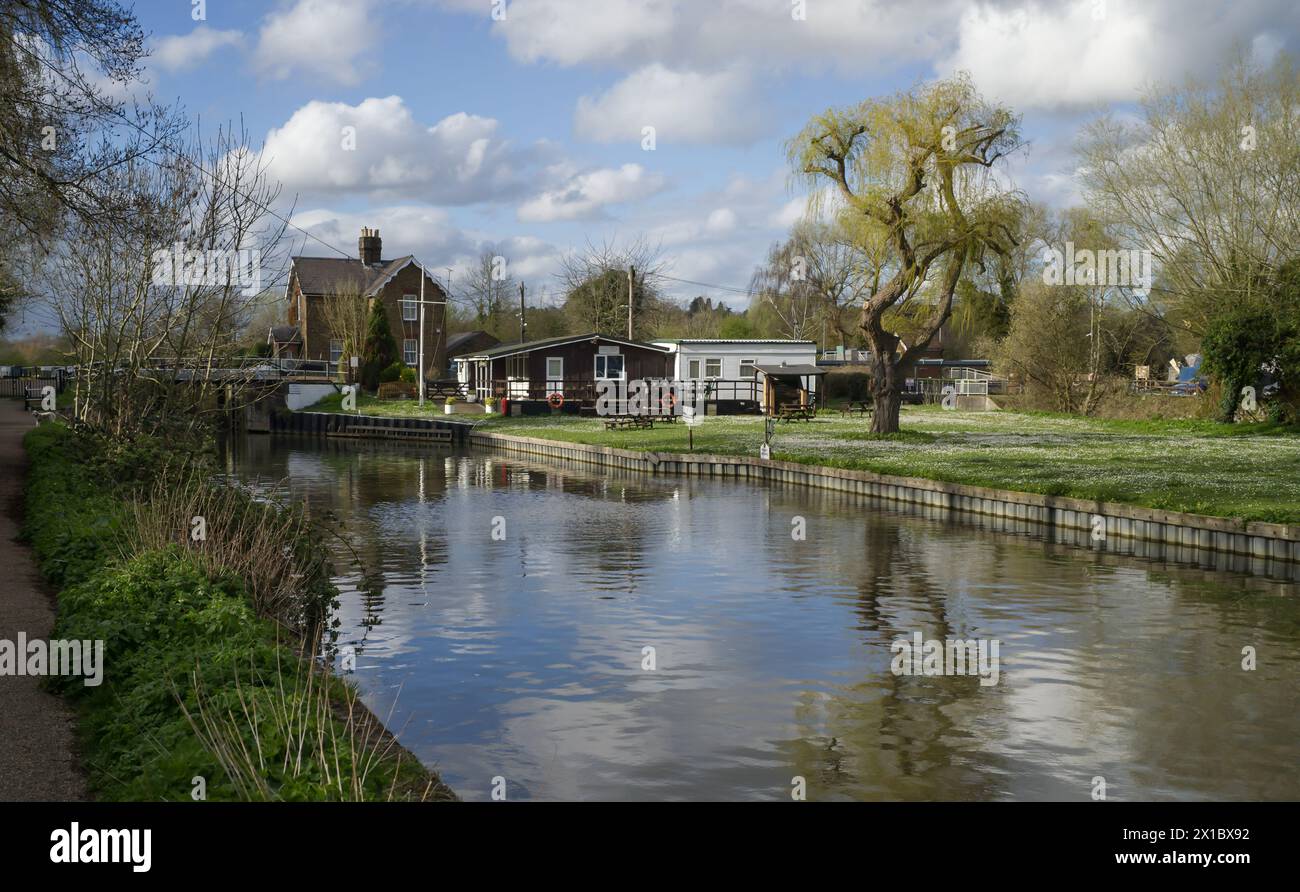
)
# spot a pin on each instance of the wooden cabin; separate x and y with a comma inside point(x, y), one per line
point(529, 374)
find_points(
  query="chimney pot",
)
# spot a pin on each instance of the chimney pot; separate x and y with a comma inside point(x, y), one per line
point(370, 248)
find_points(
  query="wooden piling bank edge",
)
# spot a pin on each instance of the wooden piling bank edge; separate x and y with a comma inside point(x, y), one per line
point(1256, 540)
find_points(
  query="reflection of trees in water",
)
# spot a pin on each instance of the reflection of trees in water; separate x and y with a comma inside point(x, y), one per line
point(890, 736)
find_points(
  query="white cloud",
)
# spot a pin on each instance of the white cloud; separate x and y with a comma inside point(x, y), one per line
point(181, 52)
point(852, 34)
point(326, 39)
point(682, 107)
point(458, 160)
point(585, 196)
point(430, 234)
point(1041, 56)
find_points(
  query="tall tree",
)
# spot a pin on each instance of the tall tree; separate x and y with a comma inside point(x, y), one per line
point(381, 347)
point(595, 282)
point(62, 127)
point(1206, 179)
point(914, 173)
point(493, 294)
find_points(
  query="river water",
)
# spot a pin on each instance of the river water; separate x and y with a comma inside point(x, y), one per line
point(567, 633)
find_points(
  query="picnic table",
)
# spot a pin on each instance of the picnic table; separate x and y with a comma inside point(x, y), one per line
point(795, 412)
point(623, 422)
point(857, 407)
point(444, 388)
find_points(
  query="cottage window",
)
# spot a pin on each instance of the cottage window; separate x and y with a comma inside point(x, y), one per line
point(747, 368)
point(609, 367)
point(410, 309)
point(517, 366)
point(695, 370)
point(410, 351)
point(336, 349)
point(713, 368)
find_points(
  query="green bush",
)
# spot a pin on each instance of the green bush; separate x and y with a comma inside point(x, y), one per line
point(408, 374)
point(391, 373)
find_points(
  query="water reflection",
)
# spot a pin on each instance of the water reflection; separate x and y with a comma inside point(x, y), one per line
point(522, 657)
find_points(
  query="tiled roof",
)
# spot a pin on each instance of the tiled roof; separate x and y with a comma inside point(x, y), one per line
point(324, 275)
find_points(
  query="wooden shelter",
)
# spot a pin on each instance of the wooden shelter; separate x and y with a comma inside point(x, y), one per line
point(787, 385)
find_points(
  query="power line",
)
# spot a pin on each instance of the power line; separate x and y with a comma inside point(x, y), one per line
point(748, 292)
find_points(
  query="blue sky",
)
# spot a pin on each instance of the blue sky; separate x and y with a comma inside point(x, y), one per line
point(522, 134)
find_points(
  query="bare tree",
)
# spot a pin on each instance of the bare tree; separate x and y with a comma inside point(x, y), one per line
point(153, 301)
point(1206, 181)
point(595, 283)
point(491, 290)
point(780, 286)
point(346, 313)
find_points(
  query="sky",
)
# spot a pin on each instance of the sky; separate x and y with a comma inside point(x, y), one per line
point(518, 126)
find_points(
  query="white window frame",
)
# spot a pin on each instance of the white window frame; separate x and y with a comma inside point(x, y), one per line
point(558, 376)
point(708, 360)
point(411, 348)
point(622, 367)
point(410, 303)
point(747, 362)
point(336, 349)
point(693, 369)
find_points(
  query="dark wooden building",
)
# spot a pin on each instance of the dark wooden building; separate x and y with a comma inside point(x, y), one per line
point(570, 366)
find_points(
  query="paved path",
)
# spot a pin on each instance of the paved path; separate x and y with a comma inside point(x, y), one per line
point(37, 759)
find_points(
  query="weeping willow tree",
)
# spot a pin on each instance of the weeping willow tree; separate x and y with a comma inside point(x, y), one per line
point(917, 173)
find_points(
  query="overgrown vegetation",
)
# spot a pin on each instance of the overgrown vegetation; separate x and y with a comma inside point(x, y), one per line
point(211, 668)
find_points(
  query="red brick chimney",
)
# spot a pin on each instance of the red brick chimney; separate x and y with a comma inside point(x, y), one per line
point(370, 247)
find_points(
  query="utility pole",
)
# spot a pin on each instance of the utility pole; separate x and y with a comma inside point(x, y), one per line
point(419, 375)
point(631, 280)
point(522, 324)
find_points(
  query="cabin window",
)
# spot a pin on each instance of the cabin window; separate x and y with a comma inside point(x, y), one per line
point(609, 366)
point(336, 349)
point(554, 368)
point(410, 309)
point(410, 351)
point(747, 368)
point(695, 370)
point(713, 368)
point(517, 366)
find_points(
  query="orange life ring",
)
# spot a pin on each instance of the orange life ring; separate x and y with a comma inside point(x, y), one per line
point(555, 400)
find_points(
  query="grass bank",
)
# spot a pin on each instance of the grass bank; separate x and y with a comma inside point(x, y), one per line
point(204, 678)
point(1249, 471)
point(1246, 471)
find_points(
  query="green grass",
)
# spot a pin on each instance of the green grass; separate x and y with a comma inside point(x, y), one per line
point(1248, 471)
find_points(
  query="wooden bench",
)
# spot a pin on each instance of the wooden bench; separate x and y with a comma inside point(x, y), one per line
point(857, 407)
point(625, 422)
